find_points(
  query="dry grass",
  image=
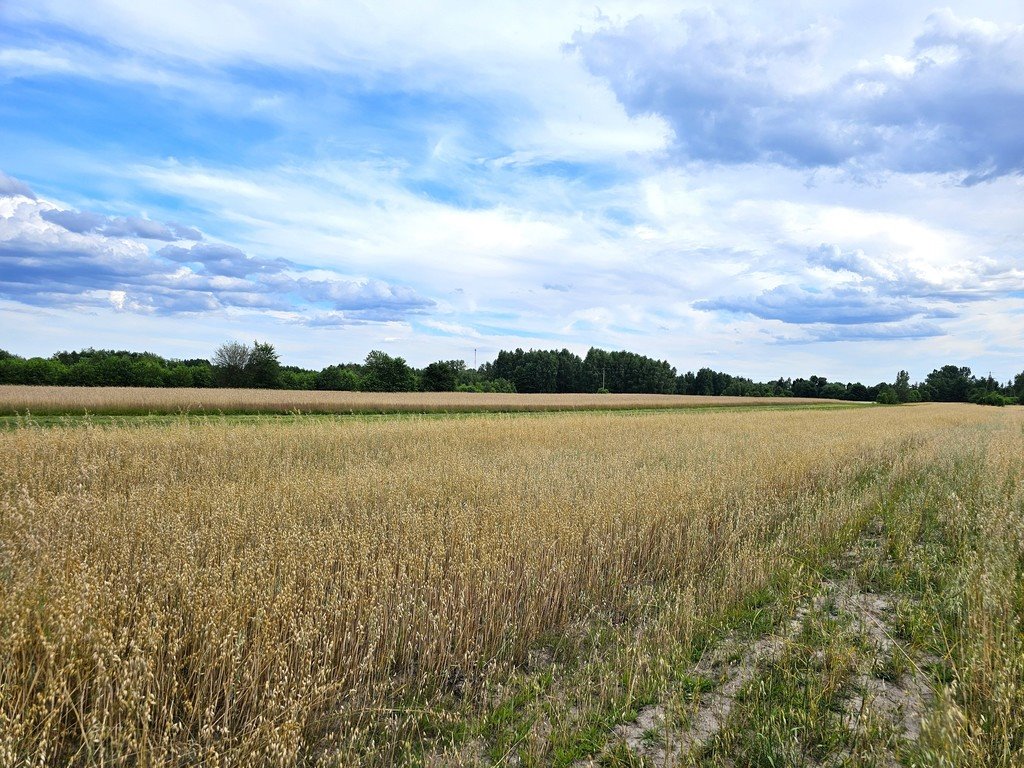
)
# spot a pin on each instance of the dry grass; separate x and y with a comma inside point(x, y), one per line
point(131, 400)
point(309, 591)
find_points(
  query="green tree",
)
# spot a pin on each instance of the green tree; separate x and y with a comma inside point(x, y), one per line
point(230, 361)
point(384, 373)
point(533, 371)
point(36, 370)
point(291, 377)
point(539, 372)
point(84, 373)
point(902, 386)
point(704, 382)
point(202, 374)
point(834, 391)
point(571, 375)
point(179, 375)
point(338, 378)
point(1018, 387)
point(146, 371)
point(442, 376)
point(950, 384)
point(857, 391)
point(263, 368)
point(887, 396)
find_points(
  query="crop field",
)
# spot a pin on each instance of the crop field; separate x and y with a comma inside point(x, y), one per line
point(722, 587)
point(16, 399)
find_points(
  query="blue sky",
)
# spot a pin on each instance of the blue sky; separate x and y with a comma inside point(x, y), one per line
point(768, 189)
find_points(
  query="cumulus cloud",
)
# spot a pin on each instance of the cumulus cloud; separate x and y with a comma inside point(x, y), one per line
point(337, 319)
point(54, 257)
point(854, 262)
point(848, 294)
point(798, 305)
point(915, 329)
point(217, 259)
point(73, 221)
point(328, 319)
point(11, 187)
point(184, 233)
point(953, 104)
point(370, 297)
point(119, 226)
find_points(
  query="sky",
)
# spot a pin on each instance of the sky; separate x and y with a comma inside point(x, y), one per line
point(769, 189)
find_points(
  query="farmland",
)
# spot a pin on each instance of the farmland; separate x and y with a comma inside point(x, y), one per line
point(135, 400)
point(712, 586)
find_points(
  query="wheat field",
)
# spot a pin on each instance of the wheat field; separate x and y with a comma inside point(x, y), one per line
point(135, 400)
point(317, 592)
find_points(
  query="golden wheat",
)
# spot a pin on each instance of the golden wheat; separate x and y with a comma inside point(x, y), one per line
point(18, 399)
point(272, 593)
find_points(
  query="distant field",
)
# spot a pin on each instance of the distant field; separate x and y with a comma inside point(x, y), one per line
point(137, 400)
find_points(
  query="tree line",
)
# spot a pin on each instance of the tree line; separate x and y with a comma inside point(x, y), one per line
point(257, 365)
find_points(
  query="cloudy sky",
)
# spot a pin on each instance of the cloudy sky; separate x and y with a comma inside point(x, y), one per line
point(781, 189)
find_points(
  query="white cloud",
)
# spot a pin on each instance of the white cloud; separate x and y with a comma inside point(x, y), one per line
point(524, 201)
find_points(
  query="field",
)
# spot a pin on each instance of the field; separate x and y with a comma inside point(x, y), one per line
point(16, 399)
point(713, 586)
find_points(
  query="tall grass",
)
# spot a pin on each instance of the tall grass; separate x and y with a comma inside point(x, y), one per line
point(960, 530)
point(266, 594)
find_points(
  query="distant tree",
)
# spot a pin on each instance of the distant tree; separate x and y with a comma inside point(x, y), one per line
point(338, 378)
point(804, 388)
point(887, 396)
point(1018, 387)
point(834, 391)
point(178, 376)
point(36, 370)
point(473, 377)
point(10, 370)
point(84, 373)
point(685, 383)
point(981, 396)
point(857, 391)
point(704, 382)
point(202, 375)
point(902, 386)
point(230, 361)
point(291, 377)
point(722, 383)
point(262, 368)
point(950, 384)
point(146, 371)
point(539, 372)
point(111, 369)
point(487, 385)
point(571, 375)
point(384, 373)
point(442, 376)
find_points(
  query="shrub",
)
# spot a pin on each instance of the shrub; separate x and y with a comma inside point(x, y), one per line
point(991, 398)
